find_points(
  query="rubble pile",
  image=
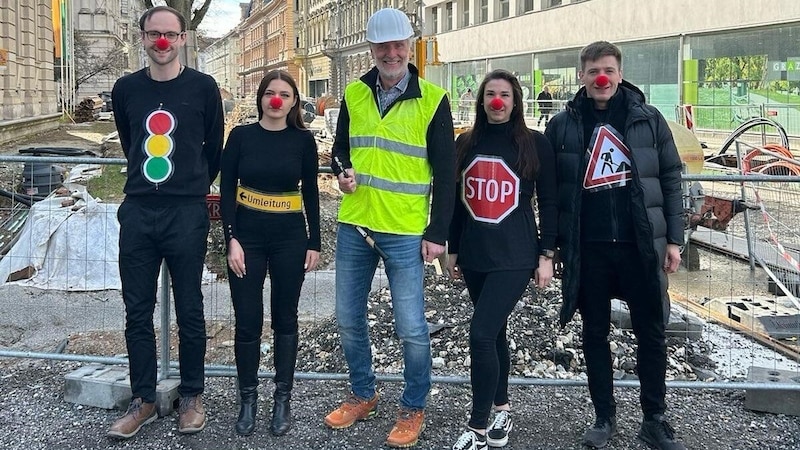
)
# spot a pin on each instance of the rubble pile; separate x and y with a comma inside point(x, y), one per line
point(540, 348)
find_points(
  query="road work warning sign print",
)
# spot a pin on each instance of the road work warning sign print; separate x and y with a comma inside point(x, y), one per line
point(609, 160)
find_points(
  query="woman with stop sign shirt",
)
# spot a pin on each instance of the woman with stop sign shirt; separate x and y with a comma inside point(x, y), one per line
point(495, 243)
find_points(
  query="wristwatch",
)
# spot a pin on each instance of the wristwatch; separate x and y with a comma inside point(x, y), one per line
point(549, 254)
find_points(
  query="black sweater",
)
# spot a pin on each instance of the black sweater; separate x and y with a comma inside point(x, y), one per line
point(194, 108)
point(514, 243)
point(271, 162)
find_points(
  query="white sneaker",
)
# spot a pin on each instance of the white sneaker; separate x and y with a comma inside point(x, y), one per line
point(497, 435)
point(470, 440)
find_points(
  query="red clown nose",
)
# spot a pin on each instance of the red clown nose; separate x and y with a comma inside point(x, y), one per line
point(162, 43)
point(601, 80)
point(496, 104)
point(275, 103)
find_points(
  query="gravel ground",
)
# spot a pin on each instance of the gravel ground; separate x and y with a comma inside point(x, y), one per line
point(34, 416)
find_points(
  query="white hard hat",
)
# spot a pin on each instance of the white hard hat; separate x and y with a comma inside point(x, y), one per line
point(387, 25)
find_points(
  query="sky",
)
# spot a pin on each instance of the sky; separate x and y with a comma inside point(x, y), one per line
point(221, 17)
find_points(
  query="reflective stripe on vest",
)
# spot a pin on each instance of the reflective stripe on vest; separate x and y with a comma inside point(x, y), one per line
point(390, 157)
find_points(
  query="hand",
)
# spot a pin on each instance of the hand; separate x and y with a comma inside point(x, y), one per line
point(347, 184)
point(673, 258)
point(236, 258)
point(312, 258)
point(431, 250)
point(452, 266)
point(544, 273)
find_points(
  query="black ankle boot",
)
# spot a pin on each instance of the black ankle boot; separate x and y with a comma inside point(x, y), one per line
point(248, 355)
point(281, 416)
point(285, 359)
point(247, 411)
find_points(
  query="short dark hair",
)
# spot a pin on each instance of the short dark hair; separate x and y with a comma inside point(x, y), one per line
point(599, 49)
point(295, 116)
point(149, 13)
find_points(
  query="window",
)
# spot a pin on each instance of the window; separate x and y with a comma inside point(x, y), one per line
point(527, 5)
point(448, 17)
point(503, 9)
point(484, 13)
point(464, 7)
point(550, 3)
point(435, 20)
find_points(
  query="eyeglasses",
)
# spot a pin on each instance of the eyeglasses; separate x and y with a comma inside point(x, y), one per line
point(170, 36)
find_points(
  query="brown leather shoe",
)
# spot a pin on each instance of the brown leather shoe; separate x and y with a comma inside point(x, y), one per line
point(409, 426)
point(138, 415)
point(191, 415)
point(352, 410)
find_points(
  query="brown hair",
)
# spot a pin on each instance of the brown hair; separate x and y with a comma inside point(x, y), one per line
point(599, 49)
point(295, 117)
point(149, 13)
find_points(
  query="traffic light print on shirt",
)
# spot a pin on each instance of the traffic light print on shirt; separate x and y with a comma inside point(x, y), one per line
point(158, 146)
point(609, 160)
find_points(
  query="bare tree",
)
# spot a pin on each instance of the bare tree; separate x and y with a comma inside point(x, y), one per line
point(89, 63)
point(194, 16)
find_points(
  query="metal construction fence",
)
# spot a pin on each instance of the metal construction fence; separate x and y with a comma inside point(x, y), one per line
point(735, 308)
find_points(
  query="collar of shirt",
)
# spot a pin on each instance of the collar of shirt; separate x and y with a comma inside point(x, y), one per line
point(386, 97)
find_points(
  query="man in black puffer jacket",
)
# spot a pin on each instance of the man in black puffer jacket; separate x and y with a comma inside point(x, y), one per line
point(620, 231)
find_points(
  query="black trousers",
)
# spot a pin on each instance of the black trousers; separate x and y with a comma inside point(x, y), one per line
point(177, 235)
point(276, 245)
point(494, 295)
point(615, 270)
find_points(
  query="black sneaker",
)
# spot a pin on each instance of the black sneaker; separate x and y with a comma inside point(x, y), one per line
point(497, 434)
point(658, 433)
point(599, 434)
point(470, 440)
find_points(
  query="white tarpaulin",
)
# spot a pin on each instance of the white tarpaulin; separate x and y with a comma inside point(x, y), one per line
point(69, 248)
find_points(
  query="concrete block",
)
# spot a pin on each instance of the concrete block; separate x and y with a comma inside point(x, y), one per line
point(98, 385)
point(776, 401)
point(680, 325)
point(684, 325)
point(166, 396)
point(109, 387)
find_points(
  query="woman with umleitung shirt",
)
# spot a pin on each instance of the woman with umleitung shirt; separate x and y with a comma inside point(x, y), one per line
point(495, 243)
point(269, 177)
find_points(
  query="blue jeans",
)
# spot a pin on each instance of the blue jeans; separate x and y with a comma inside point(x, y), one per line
point(355, 266)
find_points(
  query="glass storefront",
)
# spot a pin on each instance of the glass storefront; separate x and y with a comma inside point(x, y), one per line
point(735, 76)
point(522, 67)
point(727, 77)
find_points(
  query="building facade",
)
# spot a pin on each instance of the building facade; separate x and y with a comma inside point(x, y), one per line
point(332, 45)
point(104, 39)
point(731, 59)
point(313, 24)
point(266, 42)
point(27, 86)
point(221, 61)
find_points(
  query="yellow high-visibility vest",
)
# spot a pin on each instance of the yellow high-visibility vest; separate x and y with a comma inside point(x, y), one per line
point(390, 157)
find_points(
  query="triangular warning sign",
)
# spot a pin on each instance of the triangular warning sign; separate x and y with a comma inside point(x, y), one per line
point(609, 160)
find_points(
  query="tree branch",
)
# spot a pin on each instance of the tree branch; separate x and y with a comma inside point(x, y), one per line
point(199, 14)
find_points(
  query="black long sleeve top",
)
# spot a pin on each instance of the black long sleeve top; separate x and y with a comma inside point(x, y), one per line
point(192, 121)
point(271, 162)
point(515, 242)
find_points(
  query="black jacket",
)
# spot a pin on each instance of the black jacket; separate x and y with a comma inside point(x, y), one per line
point(655, 191)
point(441, 152)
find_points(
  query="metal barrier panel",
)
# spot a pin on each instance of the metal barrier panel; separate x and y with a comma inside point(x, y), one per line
point(725, 313)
